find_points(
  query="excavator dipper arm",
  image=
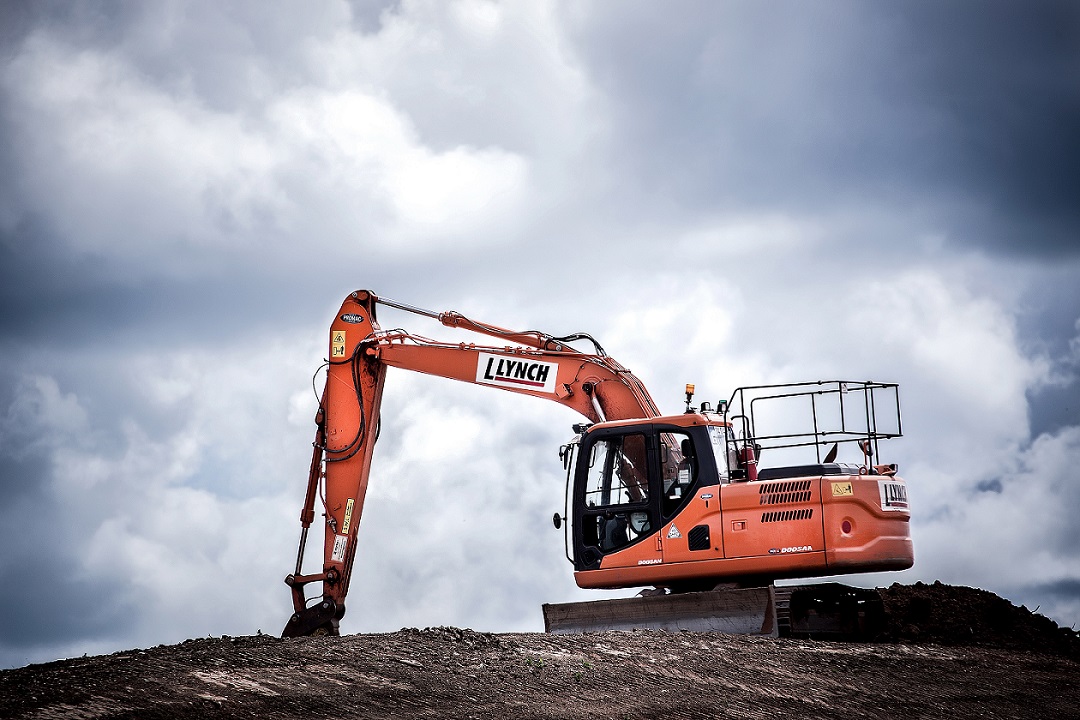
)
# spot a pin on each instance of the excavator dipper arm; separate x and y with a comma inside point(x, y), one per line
point(540, 365)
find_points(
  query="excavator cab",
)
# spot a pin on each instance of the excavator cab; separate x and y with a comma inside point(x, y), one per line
point(630, 479)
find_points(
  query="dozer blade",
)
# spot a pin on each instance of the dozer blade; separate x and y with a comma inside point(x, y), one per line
point(747, 611)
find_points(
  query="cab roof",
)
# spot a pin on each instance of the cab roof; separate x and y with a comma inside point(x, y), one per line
point(680, 420)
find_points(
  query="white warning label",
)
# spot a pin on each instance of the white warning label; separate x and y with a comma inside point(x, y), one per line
point(340, 542)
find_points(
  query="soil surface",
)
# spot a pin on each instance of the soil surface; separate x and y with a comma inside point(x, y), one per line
point(949, 652)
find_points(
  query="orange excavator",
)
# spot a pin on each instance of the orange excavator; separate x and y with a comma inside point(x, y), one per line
point(678, 502)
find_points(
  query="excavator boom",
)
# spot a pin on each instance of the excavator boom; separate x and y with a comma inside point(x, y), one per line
point(539, 365)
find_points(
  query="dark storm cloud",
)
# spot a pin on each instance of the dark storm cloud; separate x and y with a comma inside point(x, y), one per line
point(41, 281)
point(367, 14)
point(59, 297)
point(1068, 589)
point(94, 24)
point(964, 112)
point(1054, 407)
point(53, 297)
point(1048, 324)
point(49, 292)
point(19, 476)
point(230, 55)
point(46, 598)
point(1004, 76)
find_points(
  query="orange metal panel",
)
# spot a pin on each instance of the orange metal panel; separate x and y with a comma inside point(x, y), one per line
point(772, 517)
point(859, 533)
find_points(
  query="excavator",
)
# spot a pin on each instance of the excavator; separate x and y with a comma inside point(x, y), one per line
point(678, 504)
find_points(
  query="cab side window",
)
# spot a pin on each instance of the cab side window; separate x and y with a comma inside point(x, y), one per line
point(617, 492)
point(678, 469)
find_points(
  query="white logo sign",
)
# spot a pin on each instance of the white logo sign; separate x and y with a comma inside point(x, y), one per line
point(518, 372)
point(893, 495)
point(673, 532)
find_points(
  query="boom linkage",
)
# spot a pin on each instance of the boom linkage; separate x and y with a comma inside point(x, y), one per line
point(539, 365)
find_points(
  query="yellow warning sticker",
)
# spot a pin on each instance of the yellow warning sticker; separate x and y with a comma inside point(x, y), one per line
point(348, 517)
point(337, 344)
point(842, 489)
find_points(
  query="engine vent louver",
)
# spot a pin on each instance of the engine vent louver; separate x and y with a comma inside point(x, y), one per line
point(698, 538)
point(789, 491)
point(785, 515)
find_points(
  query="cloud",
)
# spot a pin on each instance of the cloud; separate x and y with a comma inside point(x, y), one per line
point(947, 109)
point(193, 183)
point(1023, 520)
point(147, 522)
point(41, 416)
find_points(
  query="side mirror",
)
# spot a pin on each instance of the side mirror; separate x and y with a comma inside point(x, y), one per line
point(556, 520)
point(566, 455)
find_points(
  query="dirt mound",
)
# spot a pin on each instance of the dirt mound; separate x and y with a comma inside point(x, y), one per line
point(938, 668)
point(950, 615)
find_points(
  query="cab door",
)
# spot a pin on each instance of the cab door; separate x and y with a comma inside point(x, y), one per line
point(691, 527)
point(616, 503)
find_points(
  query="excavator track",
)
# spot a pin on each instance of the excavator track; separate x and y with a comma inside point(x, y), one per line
point(829, 611)
point(782, 600)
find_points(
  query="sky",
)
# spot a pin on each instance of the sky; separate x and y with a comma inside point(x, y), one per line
point(723, 193)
